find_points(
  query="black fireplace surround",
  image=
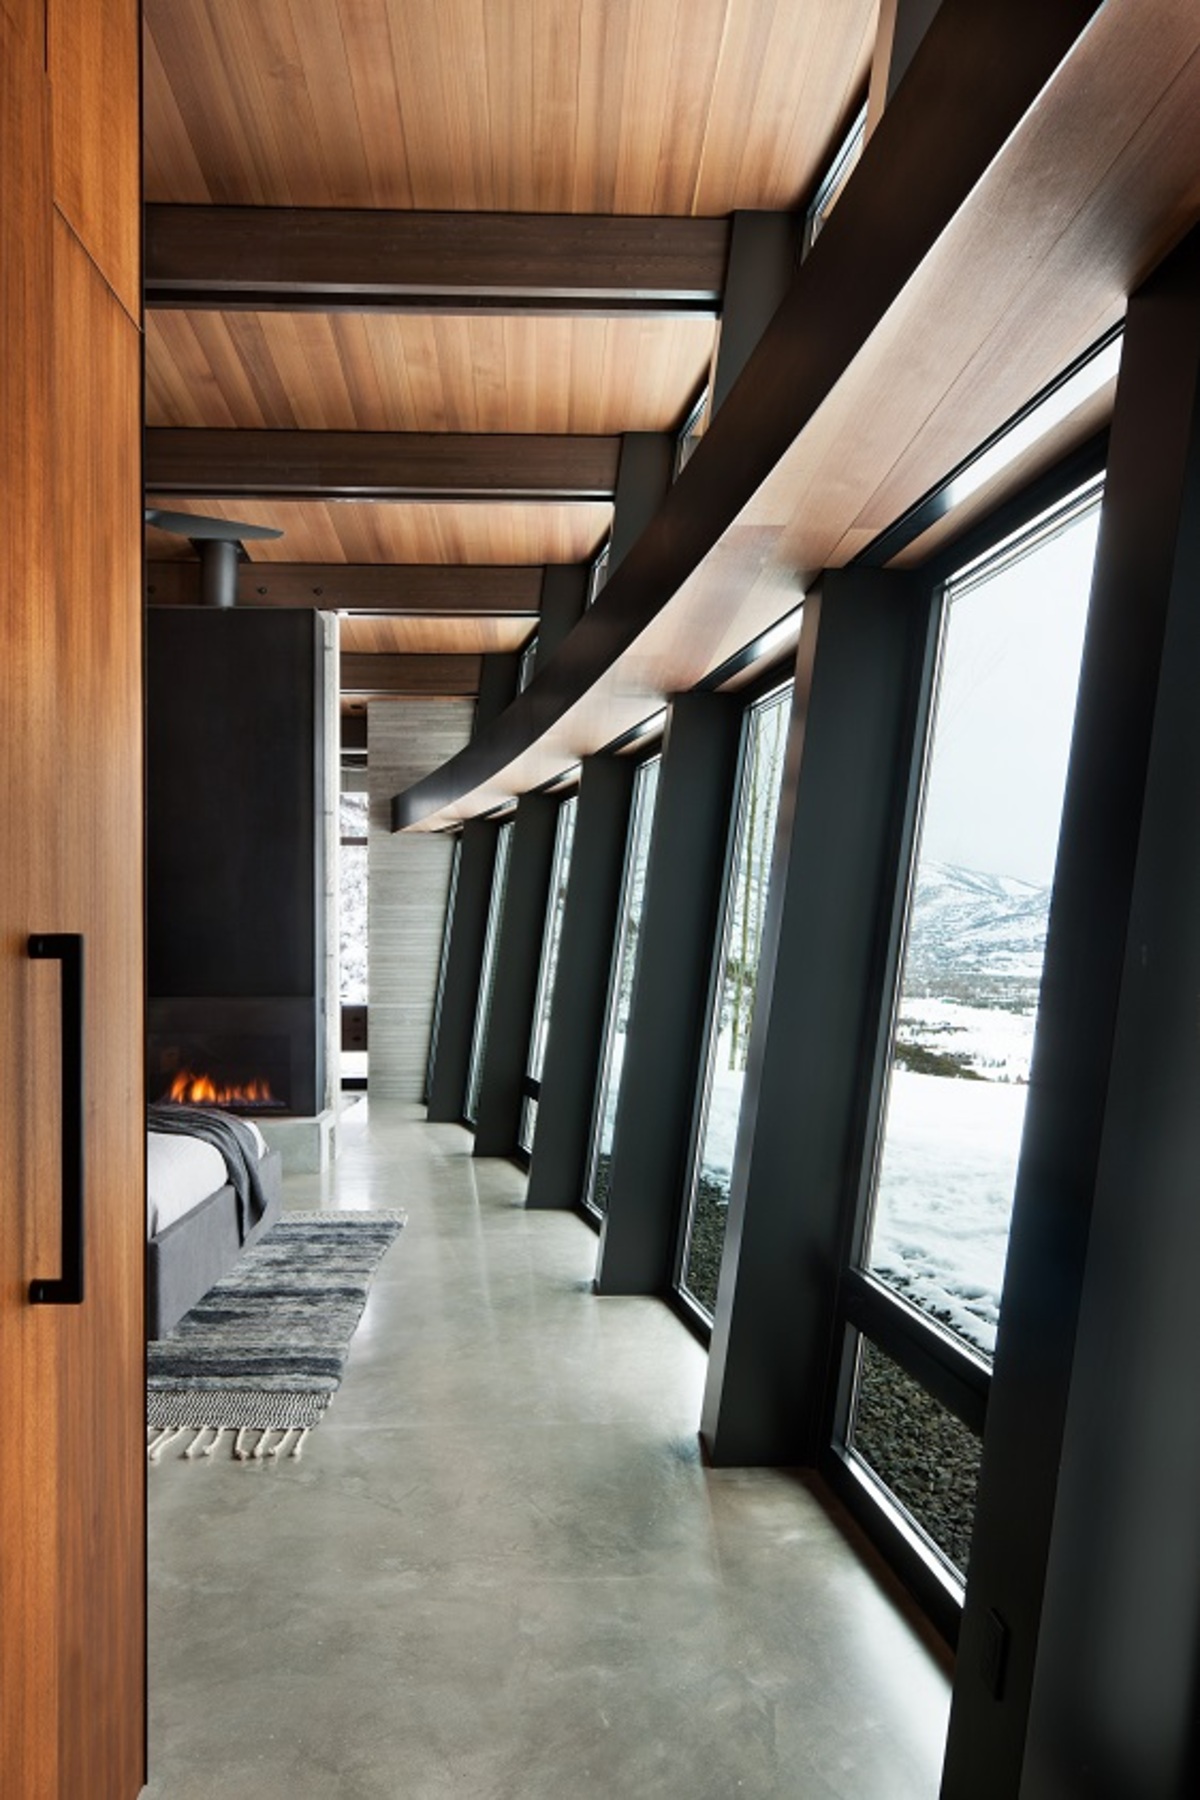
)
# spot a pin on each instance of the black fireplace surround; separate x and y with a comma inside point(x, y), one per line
point(235, 854)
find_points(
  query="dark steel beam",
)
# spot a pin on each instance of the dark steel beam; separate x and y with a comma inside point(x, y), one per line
point(380, 465)
point(981, 67)
point(385, 673)
point(258, 258)
point(417, 589)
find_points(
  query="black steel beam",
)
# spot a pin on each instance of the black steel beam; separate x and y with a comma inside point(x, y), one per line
point(296, 259)
point(418, 589)
point(380, 465)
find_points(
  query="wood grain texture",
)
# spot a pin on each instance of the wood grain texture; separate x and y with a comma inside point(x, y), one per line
point(72, 1462)
point(408, 886)
point(433, 635)
point(1097, 180)
point(568, 106)
point(336, 259)
point(443, 676)
point(518, 532)
point(399, 372)
point(29, 1457)
point(97, 771)
point(425, 589)
point(93, 59)
point(381, 465)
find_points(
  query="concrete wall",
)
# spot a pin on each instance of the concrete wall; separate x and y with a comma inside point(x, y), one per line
point(409, 878)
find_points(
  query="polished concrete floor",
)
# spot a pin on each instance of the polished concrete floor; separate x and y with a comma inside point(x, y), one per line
point(500, 1571)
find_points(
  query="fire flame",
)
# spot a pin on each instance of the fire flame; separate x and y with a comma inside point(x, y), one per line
point(202, 1090)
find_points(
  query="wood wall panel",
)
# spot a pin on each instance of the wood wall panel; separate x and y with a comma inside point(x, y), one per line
point(29, 18)
point(668, 106)
point(409, 882)
point(93, 58)
point(514, 532)
point(403, 372)
point(28, 1005)
point(72, 1459)
point(97, 811)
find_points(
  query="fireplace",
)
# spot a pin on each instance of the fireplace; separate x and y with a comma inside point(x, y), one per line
point(249, 1056)
point(236, 798)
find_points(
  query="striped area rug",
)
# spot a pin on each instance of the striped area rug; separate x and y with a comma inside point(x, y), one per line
point(261, 1356)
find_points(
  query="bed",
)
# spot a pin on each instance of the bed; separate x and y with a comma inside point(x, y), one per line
point(194, 1221)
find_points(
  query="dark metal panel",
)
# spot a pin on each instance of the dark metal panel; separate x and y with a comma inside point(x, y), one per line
point(482, 591)
point(573, 1050)
point(518, 958)
point(860, 668)
point(1086, 1542)
point(644, 475)
point(380, 465)
point(764, 253)
point(386, 672)
point(981, 66)
point(664, 1046)
point(329, 260)
point(564, 598)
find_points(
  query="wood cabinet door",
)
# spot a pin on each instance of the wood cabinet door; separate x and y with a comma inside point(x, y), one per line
point(72, 1446)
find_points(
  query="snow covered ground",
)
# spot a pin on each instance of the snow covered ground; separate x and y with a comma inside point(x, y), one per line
point(945, 1196)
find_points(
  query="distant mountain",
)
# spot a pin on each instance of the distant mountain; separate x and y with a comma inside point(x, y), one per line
point(976, 937)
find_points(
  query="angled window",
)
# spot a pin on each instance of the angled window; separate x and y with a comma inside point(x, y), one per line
point(834, 181)
point(598, 574)
point(555, 908)
point(732, 1005)
point(527, 663)
point(921, 1303)
point(964, 1023)
point(487, 973)
point(620, 995)
point(690, 433)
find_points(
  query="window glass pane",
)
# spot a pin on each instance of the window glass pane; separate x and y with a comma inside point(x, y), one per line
point(352, 815)
point(556, 905)
point(838, 174)
point(621, 992)
point(525, 666)
point(745, 912)
point(977, 928)
point(921, 1451)
point(352, 924)
point(487, 973)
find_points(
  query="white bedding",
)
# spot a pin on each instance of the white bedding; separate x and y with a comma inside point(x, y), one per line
point(181, 1172)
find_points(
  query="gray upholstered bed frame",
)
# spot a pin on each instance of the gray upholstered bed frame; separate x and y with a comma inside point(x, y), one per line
point(183, 1261)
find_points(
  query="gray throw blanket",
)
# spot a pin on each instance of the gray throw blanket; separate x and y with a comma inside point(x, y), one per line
point(233, 1139)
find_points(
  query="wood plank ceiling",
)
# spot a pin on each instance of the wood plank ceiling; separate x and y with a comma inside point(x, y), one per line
point(669, 108)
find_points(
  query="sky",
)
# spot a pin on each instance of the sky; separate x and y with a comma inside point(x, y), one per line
point(1010, 675)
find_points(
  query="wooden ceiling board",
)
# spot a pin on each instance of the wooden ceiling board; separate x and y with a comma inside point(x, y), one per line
point(405, 531)
point(1107, 175)
point(433, 636)
point(591, 106)
point(405, 372)
point(1096, 183)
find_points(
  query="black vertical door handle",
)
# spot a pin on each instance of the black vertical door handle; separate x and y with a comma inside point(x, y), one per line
point(66, 947)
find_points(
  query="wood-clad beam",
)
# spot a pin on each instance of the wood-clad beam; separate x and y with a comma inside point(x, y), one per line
point(443, 677)
point(294, 259)
point(981, 69)
point(418, 589)
point(381, 465)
